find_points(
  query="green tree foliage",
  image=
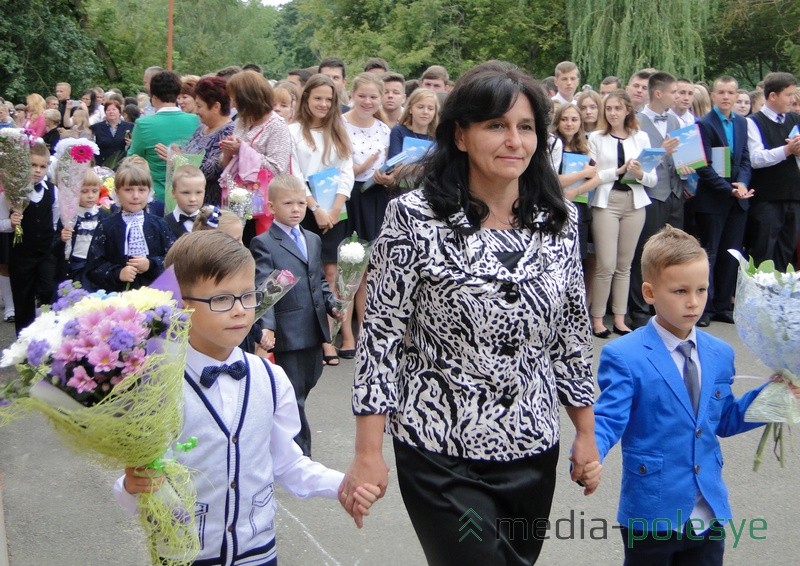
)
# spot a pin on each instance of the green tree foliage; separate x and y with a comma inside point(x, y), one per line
point(455, 33)
point(752, 38)
point(41, 43)
point(617, 37)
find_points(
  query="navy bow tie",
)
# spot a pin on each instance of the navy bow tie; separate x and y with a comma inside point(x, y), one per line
point(184, 217)
point(89, 215)
point(660, 118)
point(38, 187)
point(237, 370)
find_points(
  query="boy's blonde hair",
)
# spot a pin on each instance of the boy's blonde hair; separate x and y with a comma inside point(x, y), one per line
point(207, 254)
point(667, 247)
point(133, 170)
point(284, 182)
point(186, 172)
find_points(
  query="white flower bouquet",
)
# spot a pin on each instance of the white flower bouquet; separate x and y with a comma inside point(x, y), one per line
point(15, 171)
point(240, 202)
point(352, 261)
point(767, 317)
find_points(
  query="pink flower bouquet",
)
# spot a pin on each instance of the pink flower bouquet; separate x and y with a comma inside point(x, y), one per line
point(274, 287)
point(107, 371)
point(73, 159)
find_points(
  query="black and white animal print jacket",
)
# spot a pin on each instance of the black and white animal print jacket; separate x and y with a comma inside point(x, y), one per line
point(466, 357)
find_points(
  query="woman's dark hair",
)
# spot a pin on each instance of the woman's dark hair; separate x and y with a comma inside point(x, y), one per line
point(483, 93)
point(132, 112)
point(92, 99)
point(211, 90)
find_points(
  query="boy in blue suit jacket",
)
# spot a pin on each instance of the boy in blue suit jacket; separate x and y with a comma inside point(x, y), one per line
point(668, 410)
point(297, 325)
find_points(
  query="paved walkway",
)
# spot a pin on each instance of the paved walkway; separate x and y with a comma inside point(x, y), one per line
point(59, 509)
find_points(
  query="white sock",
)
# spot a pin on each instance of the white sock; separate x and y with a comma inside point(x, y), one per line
point(8, 298)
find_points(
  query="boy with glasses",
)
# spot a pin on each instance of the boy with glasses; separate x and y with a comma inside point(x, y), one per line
point(241, 409)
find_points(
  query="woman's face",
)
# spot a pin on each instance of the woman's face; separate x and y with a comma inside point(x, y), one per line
point(86, 99)
point(615, 112)
point(742, 104)
point(186, 103)
point(206, 114)
point(570, 122)
point(423, 112)
point(367, 99)
point(320, 100)
point(589, 110)
point(112, 113)
point(499, 150)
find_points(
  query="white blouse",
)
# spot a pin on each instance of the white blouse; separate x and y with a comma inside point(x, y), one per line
point(307, 160)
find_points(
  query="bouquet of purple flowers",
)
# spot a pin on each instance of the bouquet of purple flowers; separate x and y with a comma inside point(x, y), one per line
point(107, 371)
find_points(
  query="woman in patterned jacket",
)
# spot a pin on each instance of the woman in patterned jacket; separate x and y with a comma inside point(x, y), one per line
point(476, 332)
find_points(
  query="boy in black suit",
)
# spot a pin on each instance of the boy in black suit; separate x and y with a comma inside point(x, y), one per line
point(32, 264)
point(297, 325)
point(188, 190)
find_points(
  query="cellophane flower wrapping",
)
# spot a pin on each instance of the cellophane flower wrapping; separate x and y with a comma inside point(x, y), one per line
point(352, 262)
point(15, 171)
point(108, 195)
point(107, 371)
point(767, 318)
point(240, 202)
point(176, 157)
point(73, 160)
point(274, 287)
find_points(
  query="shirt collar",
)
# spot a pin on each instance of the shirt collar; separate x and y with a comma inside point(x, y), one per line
point(670, 340)
point(769, 113)
point(722, 117)
point(284, 227)
point(168, 109)
point(650, 113)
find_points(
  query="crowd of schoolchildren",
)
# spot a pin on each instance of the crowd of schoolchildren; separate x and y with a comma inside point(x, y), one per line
point(621, 207)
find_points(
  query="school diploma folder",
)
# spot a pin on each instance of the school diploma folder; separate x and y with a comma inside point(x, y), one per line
point(795, 132)
point(721, 161)
point(690, 151)
point(323, 186)
point(649, 159)
point(572, 163)
point(415, 148)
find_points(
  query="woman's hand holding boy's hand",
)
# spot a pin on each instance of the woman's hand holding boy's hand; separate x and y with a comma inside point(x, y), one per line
point(66, 235)
point(590, 479)
point(142, 480)
point(363, 497)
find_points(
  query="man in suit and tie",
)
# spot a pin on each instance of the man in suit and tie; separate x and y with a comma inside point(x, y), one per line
point(297, 325)
point(721, 202)
point(666, 197)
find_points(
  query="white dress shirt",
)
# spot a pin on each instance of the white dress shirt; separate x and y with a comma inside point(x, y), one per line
point(761, 157)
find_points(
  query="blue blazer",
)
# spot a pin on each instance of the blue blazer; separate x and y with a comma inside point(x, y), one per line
point(300, 318)
point(668, 452)
point(713, 191)
point(106, 256)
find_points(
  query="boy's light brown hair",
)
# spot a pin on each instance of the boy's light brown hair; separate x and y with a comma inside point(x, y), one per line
point(40, 150)
point(284, 182)
point(186, 172)
point(207, 254)
point(667, 247)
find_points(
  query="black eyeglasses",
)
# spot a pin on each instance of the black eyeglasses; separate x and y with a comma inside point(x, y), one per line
point(224, 303)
